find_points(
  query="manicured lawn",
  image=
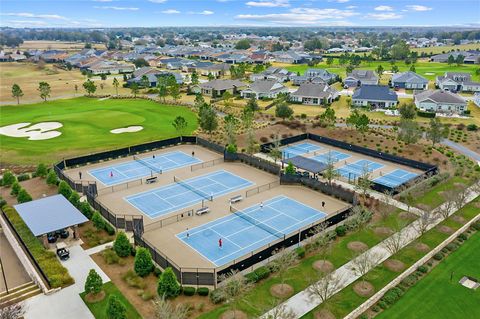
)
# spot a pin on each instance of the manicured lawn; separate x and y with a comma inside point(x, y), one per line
point(436, 296)
point(86, 127)
point(433, 197)
point(99, 309)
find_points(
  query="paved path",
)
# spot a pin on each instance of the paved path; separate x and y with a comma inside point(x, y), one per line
point(302, 303)
point(98, 248)
point(66, 304)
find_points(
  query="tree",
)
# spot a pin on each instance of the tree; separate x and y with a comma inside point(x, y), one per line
point(44, 89)
point(64, 189)
point(134, 88)
point(180, 125)
point(74, 199)
point(52, 178)
point(17, 92)
point(162, 86)
point(143, 264)
point(324, 286)
point(329, 61)
point(242, 44)
point(115, 85)
point(290, 169)
point(145, 82)
point(231, 123)
point(277, 310)
point(93, 284)
point(122, 245)
point(450, 60)
point(227, 98)
point(328, 117)
point(140, 62)
point(115, 308)
point(395, 68)
point(252, 145)
point(284, 259)
point(23, 196)
point(175, 91)
point(76, 88)
point(252, 104)
point(435, 131)
point(199, 101)
point(275, 150)
point(349, 68)
point(412, 68)
point(362, 264)
point(330, 172)
point(234, 286)
point(168, 286)
point(194, 78)
point(210, 76)
point(15, 189)
point(41, 170)
point(396, 241)
point(409, 131)
point(89, 86)
point(12, 311)
point(407, 111)
point(459, 59)
point(208, 118)
point(400, 50)
point(363, 183)
point(423, 222)
point(164, 309)
point(380, 70)
point(359, 121)
point(8, 179)
point(283, 111)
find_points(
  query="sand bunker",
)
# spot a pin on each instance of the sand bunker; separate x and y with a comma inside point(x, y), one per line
point(429, 73)
point(35, 132)
point(129, 129)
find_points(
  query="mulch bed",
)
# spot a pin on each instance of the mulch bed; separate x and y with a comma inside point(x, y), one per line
point(421, 247)
point(95, 298)
point(357, 246)
point(445, 229)
point(383, 231)
point(458, 219)
point(238, 314)
point(281, 290)
point(394, 265)
point(407, 215)
point(323, 265)
point(364, 289)
point(323, 314)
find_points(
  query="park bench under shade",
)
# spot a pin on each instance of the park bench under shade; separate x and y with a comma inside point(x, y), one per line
point(307, 164)
point(49, 214)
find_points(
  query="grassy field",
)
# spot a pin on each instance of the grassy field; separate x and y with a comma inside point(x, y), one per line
point(436, 296)
point(86, 127)
point(439, 50)
point(62, 82)
point(99, 309)
point(57, 45)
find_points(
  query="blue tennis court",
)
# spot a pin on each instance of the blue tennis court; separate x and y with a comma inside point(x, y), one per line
point(395, 178)
point(245, 231)
point(299, 149)
point(181, 194)
point(331, 156)
point(135, 169)
point(358, 168)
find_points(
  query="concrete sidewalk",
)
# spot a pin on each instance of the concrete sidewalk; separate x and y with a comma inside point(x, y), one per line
point(302, 303)
point(66, 304)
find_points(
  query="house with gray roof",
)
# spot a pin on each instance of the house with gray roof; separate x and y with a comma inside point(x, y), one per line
point(273, 73)
point(264, 89)
point(409, 80)
point(457, 82)
point(291, 57)
point(360, 77)
point(216, 88)
point(470, 57)
point(314, 94)
point(321, 73)
point(376, 96)
point(152, 75)
point(440, 101)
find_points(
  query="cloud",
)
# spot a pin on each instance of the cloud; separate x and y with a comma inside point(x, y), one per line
point(341, 1)
point(103, 0)
point(170, 11)
point(384, 16)
point(158, 1)
point(352, 7)
point(383, 8)
point(204, 12)
point(268, 3)
point(23, 23)
point(37, 16)
point(303, 16)
point(417, 7)
point(116, 8)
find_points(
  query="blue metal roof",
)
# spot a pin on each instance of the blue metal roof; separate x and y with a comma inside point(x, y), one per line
point(374, 92)
point(49, 214)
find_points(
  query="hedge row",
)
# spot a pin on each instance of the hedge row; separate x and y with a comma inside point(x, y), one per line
point(190, 291)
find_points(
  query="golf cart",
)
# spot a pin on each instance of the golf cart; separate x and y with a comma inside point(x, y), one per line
point(62, 251)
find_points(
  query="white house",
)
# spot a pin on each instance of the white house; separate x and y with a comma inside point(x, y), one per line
point(439, 101)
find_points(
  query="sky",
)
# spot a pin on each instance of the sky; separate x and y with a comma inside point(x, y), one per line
point(308, 13)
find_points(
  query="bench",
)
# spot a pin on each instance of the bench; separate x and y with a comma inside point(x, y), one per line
point(202, 211)
point(236, 199)
point(151, 180)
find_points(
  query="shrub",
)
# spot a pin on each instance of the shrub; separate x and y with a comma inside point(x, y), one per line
point(98, 220)
point(231, 148)
point(189, 291)
point(52, 178)
point(410, 280)
point(375, 308)
point(463, 236)
point(382, 304)
point(168, 285)
point(341, 230)
point(157, 271)
point(8, 179)
point(23, 196)
point(216, 296)
point(93, 284)
point(115, 308)
point(147, 295)
point(300, 252)
point(134, 280)
point(122, 245)
point(15, 189)
point(23, 177)
point(74, 199)
point(363, 316)
point(262, 273)
point(143, 264)
point(42, 170)
point(86, 210)
point(110, 256)
point(203, 291)
point(109, 229)
point(3, 202)
point(64, 189)
point(452, 246)
point(438, 256)
point(423, 269)
point(472, 127)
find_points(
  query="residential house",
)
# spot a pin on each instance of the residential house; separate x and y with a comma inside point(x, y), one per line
point(440, 101)
point(314, 94)
point(457, 82)
point(470, 57)
point(205, 68)
point(300, 79)
point(376, 96)
point(264, 89)
point(273, 73)
point(110, 67)
point(216, 88)
point(152, 76)
point(291, 57)
point(409, 80)
point(321, 73)
point(360, 77)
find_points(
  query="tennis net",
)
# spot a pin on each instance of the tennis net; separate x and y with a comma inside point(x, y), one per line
point(193, 189)
point(256, 222)
point(145, 163)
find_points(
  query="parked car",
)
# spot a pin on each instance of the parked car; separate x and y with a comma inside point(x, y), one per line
point(52, 238)
point(63, 233)
point(62, 251)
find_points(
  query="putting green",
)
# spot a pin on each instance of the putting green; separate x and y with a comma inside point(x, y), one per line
point(86, 127)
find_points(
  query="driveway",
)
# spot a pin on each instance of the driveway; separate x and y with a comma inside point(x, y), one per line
point(66, 304)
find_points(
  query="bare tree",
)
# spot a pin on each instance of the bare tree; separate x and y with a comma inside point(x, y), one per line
point(461, 195)
point(385, 207)
point(164, 309)
point(12, 311)
point(234, 286)
point(363, 182)
point(359, 218)
point(425, 219)
point(275, 150)
point(330, 173)
point(325, 286)
point(284, 259)
point(447, 207)
point(363, 263)
point(279, 311)
point(396, 241)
